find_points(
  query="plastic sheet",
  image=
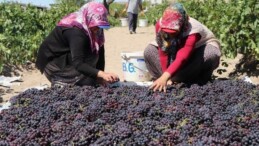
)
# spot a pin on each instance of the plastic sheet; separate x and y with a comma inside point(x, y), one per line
point(9, 81)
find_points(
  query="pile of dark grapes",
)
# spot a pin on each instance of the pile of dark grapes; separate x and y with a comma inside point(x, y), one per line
point(224, 112)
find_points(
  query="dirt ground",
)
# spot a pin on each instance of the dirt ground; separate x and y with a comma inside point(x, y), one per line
point(118, 40)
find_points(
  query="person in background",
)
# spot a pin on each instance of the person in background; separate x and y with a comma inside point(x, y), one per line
point(185, 50)
point(132, 8)
point(73, 53)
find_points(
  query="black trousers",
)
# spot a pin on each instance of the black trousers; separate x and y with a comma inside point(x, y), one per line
point(133, 19)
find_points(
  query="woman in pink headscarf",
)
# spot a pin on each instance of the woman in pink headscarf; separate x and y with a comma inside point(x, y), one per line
point(73, 53)
point(185, 50)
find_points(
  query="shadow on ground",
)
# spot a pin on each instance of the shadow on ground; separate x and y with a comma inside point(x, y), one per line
point(247, 65)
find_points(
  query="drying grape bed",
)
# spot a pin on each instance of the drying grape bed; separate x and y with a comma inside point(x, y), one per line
point(224, 112)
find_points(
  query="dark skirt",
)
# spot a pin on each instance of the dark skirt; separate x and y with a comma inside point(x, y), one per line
point(67, 76)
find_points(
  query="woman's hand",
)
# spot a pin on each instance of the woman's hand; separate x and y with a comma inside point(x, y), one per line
point(100, 81)
point(161, 83)
point(108, 77)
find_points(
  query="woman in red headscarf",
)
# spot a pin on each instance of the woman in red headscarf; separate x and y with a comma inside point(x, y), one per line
point(73, 53)
point(184, 51)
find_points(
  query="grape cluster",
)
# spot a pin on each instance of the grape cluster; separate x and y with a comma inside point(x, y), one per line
point(223, 112)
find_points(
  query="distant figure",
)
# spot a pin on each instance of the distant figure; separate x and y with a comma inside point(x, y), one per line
point(132, 7)
point(73, 53)
point(185, 50)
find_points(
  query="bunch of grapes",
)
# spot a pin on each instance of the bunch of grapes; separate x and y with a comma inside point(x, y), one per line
point(223, 112)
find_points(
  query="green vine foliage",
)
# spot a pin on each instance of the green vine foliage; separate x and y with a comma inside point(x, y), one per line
point(21, 31)
point(23, 28)
point(116, 10)
point(235, 24)
point(155, 12)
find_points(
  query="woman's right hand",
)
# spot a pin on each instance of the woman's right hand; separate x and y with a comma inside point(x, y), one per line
point(108, 77)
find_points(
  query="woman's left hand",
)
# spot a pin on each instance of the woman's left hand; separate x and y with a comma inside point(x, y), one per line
point(161, 83)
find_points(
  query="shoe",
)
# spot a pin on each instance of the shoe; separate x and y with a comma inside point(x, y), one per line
point(131, 32)
point(134, 32)
point(58, 84)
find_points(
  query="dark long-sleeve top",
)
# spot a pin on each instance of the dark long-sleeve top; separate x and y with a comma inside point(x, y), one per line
point(70, 46)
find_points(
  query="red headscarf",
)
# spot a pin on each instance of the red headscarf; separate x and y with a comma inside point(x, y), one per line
point(174, 18)
point(89, 15)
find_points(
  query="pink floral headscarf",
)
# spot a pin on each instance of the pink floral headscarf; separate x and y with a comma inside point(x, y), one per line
point(89, 15)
